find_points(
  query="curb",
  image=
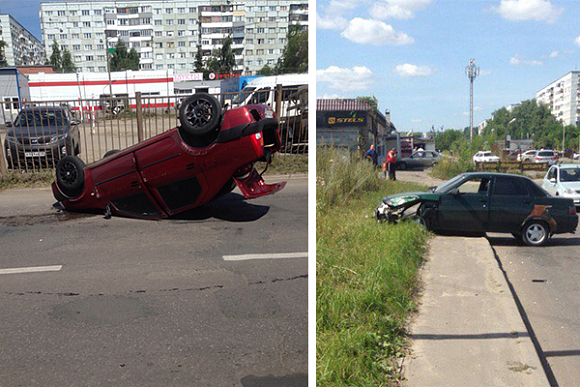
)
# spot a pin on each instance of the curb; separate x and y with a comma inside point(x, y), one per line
point(468, 330)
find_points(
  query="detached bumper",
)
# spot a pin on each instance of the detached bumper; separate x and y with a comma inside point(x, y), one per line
point(254, 186)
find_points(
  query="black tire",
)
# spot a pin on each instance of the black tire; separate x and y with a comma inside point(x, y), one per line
point(402, 165)
point(199, 114)
point(70, 176)
point(111, 152)
point(535, 233)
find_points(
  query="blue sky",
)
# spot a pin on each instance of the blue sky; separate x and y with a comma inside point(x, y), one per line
point(411, 54)
point(25, 12)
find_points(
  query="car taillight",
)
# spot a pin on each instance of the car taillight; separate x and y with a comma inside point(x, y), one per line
point(538, 158)
point(258, 143)
point(572, 210)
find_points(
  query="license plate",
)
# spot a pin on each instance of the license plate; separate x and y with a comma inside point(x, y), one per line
point(35, 154)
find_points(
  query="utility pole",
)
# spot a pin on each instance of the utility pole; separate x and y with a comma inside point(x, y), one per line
point(472, 72)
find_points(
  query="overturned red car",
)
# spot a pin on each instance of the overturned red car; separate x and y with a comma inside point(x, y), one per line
point(183, 168)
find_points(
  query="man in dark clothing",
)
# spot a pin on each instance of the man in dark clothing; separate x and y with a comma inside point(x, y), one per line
point(392, 163)
point(372, 156)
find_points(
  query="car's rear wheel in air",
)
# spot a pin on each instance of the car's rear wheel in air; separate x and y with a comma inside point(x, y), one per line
point(535, 233)
point(70, 176)
point(199, 114)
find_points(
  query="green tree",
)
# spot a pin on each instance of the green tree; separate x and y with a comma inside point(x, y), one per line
point(55, 57)
point(226, 58)
point(3, 61)
point(122, 59)
point(266, 71)
point(295, 57)
point(198, 60)
point(68, 65)
point(371, 100)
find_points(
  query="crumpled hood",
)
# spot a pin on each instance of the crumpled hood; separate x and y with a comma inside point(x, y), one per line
point(407, 198)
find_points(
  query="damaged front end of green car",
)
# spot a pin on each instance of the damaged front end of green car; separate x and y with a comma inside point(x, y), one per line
point(413, 206)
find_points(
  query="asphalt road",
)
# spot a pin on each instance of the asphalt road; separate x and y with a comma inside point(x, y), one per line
point(547, 282)
point(155, 303)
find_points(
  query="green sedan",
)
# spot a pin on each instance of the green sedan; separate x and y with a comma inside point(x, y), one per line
point(483, 202)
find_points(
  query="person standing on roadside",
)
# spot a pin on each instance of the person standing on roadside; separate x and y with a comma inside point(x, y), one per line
point(392, 163)
point(372, 156)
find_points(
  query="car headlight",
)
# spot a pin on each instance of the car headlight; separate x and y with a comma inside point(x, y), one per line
point(58, 137)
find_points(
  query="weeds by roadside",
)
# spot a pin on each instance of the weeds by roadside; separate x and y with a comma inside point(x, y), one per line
point(283, 163)
point(366, 275)
point(41, 178)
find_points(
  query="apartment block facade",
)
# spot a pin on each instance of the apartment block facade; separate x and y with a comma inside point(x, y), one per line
point(167, 34)
point(563, 97)
point(22, 48)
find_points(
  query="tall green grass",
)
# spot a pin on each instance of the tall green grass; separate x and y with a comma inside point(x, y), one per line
point(366, 275)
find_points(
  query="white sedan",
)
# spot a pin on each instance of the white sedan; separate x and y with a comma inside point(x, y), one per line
point(564, 180)
point(485, 157)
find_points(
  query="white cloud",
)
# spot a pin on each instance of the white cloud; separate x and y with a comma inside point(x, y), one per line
point(416, 120)
point(368, 31)
point(517, 60)
point(577, 40)
point(408, 70)
point(345, 79)
point(344, 5)
point(484, 73)
point(555, 54)
point(330, 22)
point(329, 96)
point(521, 10)
point(398, 9)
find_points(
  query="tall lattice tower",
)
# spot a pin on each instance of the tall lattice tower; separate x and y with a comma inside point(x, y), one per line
point(472, 72)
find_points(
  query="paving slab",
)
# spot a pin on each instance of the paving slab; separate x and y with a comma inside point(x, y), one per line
point(468, 331)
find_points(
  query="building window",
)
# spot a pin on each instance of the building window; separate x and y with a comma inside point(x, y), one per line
point(271, 40)
point(100, 46)
point(88, 46)
point(249, 52)
point(259, 52)
point(110, 22)
point(180, 44)
point(260, 31)
point(158, 22)
point(76, 47)
point(170, 45)
point(77, 58)
point(60, 13)
point(98, 12)
point(50, 36)
point(260, 41)
point(89, 58)
point(85, 12)
point(86, 24)
point(180, 21)
point(159, 67)
point(102, 69)
point(100, 57)
point(63, 36)
point(180, 10)
point(271, 51)
point(158, 33)
point(168, 10)
point(169, 22)
point(88, 36)
point(249, 41)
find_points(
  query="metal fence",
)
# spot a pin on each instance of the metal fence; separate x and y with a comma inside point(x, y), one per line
point(98, 126)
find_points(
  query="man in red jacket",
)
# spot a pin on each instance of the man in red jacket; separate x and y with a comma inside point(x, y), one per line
point(392, 163)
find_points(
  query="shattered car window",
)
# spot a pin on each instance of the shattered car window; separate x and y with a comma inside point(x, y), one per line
point(448, 184)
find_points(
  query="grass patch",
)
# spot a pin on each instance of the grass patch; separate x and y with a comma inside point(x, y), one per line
point(41, 178)
point(286, 164)
point(366, 277)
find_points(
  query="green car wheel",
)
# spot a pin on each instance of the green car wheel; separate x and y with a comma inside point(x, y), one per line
point(535, 233)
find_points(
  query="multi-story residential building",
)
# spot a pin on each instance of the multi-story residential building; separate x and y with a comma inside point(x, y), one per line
point(563, 97)
point(22, 48)
point(166, 34)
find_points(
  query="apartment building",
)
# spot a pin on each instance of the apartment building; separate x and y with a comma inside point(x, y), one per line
point(563, 97)
point(166, 34)
point(22, 48)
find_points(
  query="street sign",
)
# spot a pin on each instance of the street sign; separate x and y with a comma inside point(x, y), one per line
point(112, 49)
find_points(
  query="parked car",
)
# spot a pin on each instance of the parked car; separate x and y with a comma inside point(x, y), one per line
point(527, 156)
point(183, 168)
point(485, 157)
point(482, 202)
point(42, 135)
point(545, 156)
point(419, 159)
point(564, 180)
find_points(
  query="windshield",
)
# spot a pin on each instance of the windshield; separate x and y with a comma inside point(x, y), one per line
point(243, 95)
point(448, 184)
point(40, 118)
point(486, 153)
point(546, 154)
point(570, 174)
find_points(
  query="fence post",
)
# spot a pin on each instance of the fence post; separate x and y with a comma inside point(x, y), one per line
point(278, 100)
point(139, 116)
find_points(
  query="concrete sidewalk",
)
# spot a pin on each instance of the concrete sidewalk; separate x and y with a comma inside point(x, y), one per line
point(468, 331)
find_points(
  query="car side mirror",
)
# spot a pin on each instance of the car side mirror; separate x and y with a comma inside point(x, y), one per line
point(553, 180)
point(75, 122)
point(8, 124)
point(453, 192)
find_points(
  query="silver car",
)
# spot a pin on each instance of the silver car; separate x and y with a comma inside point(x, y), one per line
point(419, 159)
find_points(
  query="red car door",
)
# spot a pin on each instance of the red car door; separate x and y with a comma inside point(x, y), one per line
point(119, 184)
point(172, 173)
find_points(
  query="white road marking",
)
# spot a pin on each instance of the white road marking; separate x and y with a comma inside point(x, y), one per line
point(245, 257)
point(34, 269)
